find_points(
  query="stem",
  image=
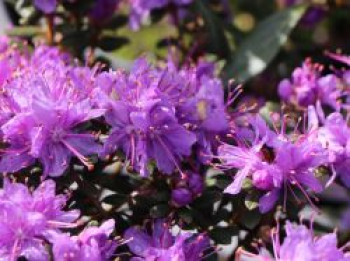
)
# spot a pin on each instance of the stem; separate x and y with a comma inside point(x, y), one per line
point(50, 29)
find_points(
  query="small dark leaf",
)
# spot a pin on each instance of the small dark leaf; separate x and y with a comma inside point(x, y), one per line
point(223, 235)
point(117, 22)
point(207, 199)
point(259, 48)
point(218, 42)
point(159, 211)
point(115, 199)
point(110, 43)
point(76, 41)
point(251, 201)
point(251, 218)
point(186, 215)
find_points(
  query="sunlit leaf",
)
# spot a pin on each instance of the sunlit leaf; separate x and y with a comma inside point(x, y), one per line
point(258, 49)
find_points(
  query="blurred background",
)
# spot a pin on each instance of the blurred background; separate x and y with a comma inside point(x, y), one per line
point(324, 26)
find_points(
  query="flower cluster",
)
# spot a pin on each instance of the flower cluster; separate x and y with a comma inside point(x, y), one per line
point(92, 244)
point(43, 106)
point(308, 87)
point(158, 114)
point(162, 245)
point(273, 162)
point(300, 243)
point(140, 9)
point(32, 220)
point(187, 188)
point(170, 124)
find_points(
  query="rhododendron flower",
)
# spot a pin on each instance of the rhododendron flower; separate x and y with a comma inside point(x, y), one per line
point(140, 9)
point(46, 6)
point(28, 218)
point(43, 110)
point(307, 87)
point(92, 244)
point(273, 162)
point(301, 244)
point(334, 136)
point(159, 113)
point(145, 126)
point(162, 245)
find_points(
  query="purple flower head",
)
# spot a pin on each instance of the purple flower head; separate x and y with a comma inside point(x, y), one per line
point(199, 102)
point(46, 6)
point(272, 162)
point(307, 87)
point(143, 120)
point(334, 137)
point(187, 187)
point(48, 108)
point(162, 245)
point(26, 218)
point(181, 196)
point(141, 9)
point(92, 244)
point(301, 244)
point(103, 10)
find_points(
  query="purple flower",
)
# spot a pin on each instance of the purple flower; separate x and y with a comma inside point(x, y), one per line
point(143, 120)
point(49, 137)
point(162, 245)
point(46, 6)
point(307, 87)
point(301, 244)
point(103, 10)
point(334, 136)
point(45, 110)
point(26, 218)
point(187, 187)
point(92, 244)
point(273, 162)
point(140, 9)
point(339, 57)
point(181, 196)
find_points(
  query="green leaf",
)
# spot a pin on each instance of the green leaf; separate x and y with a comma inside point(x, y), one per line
point(115, 199)
point(223, 235)
point(251, 201)
point(218, 42)
point(258, 49)
point(186, 215)
point(110, 43)
point(24, 31)
point(117, 22)
point(159, 211)
point(207, 199)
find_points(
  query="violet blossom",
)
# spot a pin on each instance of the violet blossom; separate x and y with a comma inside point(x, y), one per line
point(187, 188)
point(103, 10)
point(300, 244)
point(162, 245)
point(273, 162)
point(92, 244)
point(27, 218)
point(46, 6)
point(308, 87)
point(141, 9)
point(334, 136)
point(44, 110)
